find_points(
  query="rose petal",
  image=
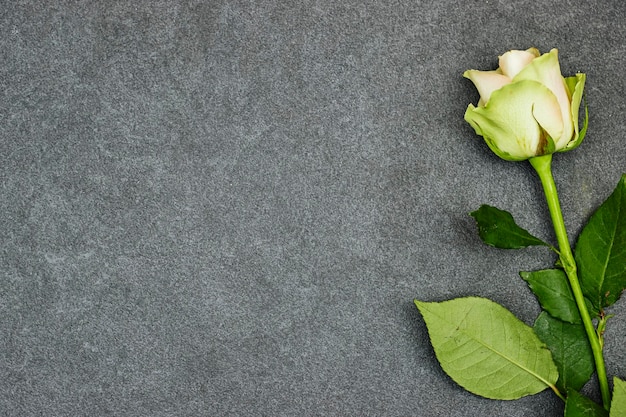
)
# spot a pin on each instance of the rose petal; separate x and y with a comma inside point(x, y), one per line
point(576, 85)
point(512, 62)
point(546, 70)
point(509, 122)
point(486, 82)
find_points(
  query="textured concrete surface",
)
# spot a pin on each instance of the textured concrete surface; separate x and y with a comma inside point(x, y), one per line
point(226, 208)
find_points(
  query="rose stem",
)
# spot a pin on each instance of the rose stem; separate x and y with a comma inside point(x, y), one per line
point(542, 165)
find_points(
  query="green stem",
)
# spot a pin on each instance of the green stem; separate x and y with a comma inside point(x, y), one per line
point(557, 392)
point(542, 165)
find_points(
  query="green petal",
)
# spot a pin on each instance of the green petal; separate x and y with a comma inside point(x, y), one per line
point(509, 124)
point(576, 85)
point(571, 82)
point(546, 70)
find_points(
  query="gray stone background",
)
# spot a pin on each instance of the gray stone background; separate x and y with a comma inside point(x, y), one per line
point(226, 208)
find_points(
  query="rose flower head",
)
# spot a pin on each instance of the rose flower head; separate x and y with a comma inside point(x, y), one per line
point(526, 107)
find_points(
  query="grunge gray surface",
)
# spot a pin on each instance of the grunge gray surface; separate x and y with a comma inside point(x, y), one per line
point(226, 208)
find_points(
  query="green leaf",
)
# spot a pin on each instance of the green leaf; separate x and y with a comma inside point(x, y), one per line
point(554, 293)
point(618, 404)
point(497, 228)
point(486, 349)
point(578, 405)
point(601, 250)
point(570, 350)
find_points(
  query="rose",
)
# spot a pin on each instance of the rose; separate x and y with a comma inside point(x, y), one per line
point(526, 107)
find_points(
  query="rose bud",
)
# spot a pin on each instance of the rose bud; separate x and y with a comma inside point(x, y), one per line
point(526, 107)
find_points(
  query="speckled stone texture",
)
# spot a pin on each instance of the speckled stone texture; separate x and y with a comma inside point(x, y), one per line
point(226, 208)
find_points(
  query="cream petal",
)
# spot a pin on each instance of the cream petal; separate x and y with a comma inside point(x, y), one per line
point(512, 62)
point(534, 51)
point(486, 82)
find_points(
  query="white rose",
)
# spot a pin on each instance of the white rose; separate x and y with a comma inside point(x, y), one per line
point(526, 107)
